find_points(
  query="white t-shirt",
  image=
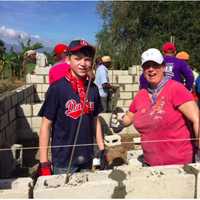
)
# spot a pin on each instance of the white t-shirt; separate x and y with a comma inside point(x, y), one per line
point(41, 60)
point(101, 77)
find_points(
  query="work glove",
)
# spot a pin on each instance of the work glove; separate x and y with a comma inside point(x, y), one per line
point(116, 122)
point(103, 159)
point(44, 169)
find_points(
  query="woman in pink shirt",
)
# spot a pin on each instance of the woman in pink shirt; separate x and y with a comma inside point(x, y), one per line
point(59, 69)
point(161, 114)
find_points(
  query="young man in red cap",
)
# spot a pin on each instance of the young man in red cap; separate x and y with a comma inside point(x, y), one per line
point(59, 69)
point(175, 69)
point(64, 105)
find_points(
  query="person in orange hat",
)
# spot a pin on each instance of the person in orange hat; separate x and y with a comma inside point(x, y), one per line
point(58, 70)
point(183, 55)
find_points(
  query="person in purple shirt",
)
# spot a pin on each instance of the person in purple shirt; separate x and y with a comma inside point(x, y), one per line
point(175, 69)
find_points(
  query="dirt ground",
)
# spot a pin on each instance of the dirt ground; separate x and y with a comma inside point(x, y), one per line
point(117, 155)
point(10, 84)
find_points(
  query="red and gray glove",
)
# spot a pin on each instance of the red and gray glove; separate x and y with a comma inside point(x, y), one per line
point(44, 169)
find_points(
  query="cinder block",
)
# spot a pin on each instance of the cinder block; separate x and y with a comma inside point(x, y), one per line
point(112, 78)
point(112, 140)
point(45, 88)
point(14, 99)
point(131, 87)
point(125, 95)
point(120, 103)
point(132, 70)
point(12, 115)
point(28, 79)
point(125, 79)
point(39, 87)
point(24, 123)
point(47, 79)
point(133, 154)
point(3, 121)
point(24, 110)
point(36, 79)
point(3, 137)
point(118, 72)
point(127, 103)
point(16, 188)
point(158, 182)
point(11, 135)
point(41, 96)
point(20, 95)
point(80, 185)
point(195, 169)
point(7, 103)
point(42, 70)
point(136, 79)
point(36, 122)
point(36, 108)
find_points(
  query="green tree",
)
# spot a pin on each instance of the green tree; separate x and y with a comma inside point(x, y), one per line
point(130, 27)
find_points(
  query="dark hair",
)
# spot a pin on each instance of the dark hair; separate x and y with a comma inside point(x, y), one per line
point(98, 61)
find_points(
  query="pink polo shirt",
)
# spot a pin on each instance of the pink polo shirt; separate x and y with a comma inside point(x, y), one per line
point(57, 72)
point(164, 133)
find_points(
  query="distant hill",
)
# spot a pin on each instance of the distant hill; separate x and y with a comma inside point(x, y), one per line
point(17, 48)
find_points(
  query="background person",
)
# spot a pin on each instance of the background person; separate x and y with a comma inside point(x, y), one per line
point(39, 58)
point(102, 81)
point(159, 113)
point(62, 110)
point(175, 69)
point(59, 69)
point(183, 55)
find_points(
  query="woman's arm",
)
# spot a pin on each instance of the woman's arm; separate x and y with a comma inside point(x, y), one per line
point(191, 112)
point(127, 119)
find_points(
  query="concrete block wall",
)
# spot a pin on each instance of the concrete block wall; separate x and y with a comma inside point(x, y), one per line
point(127, 80)
point(40, 81)
point(8, 124)
point(28, 121)
point(122, 182)
point(19, 188)
point(8, 107)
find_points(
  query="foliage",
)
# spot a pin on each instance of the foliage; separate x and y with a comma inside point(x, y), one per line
point(12, 63)
point(130, 27)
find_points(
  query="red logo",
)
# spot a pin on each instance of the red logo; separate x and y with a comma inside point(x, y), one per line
point(74, 109)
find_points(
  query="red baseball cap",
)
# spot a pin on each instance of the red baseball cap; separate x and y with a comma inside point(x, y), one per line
point(168, 47)
point(60, 48)
point(76, 45)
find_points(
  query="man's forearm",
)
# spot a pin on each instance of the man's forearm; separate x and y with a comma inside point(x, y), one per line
point(44, 141)
point(99, 134)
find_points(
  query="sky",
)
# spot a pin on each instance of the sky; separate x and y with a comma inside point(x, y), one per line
point(49, 22)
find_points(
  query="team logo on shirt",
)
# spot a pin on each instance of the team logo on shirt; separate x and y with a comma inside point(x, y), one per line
point(74, 109)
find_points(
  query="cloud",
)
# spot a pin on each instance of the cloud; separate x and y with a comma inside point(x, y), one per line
point(13, 36)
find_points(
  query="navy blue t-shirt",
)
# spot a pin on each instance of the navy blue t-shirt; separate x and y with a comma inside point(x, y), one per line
point(62, 106)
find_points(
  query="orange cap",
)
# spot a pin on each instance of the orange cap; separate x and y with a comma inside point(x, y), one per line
point(183, 55)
